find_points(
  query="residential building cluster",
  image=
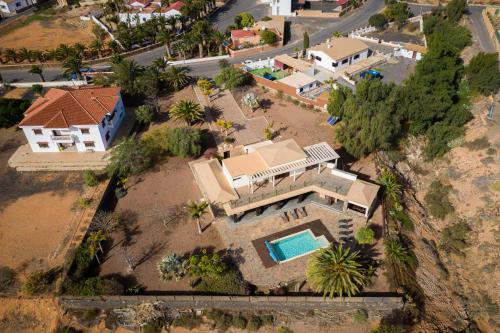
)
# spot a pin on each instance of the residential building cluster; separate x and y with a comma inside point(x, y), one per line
point(140, 11)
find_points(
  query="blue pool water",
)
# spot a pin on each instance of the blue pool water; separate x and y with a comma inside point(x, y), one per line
point(293, 246)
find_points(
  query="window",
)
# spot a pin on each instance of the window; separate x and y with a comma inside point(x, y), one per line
point(43, 144)
point(107, 136)
point(18, 4)
point(89, 144)
point(356, 56)
point(37, 131)
point(345, 61)
point(334, 64)
point(103, 123)
point(301, 89)
point(85, 130)
point(318, 58)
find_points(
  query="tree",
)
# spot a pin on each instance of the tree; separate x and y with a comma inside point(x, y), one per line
point(454, 237)
point(369, 121)
point(399, 257)
point(94, 242)
point(378, 21)
point(72, 65)
point(128, 158)
point(243, 20)
point(37, 89)
point(336, 271)
point(11, 111)
point(224, 125)
point(437, 200)
point(97, 45)
point(90, 178)
point(365, 235)
point(144, 114)
point(187, 110)
point(205, 85)
point(392, 188)
point(35, 69)
point(166, 37)
point(482, 73)
point(218, 38)
point(336, 101)
point(184, 142)
point(176, 77)
point(337, 34)
point(231, 78)
point(398, 12)
point(196, 211)
point(172, 266)
point(305, 41)
point(455, 9)
point(268, 37)
point(126, 75)
point(207, 265)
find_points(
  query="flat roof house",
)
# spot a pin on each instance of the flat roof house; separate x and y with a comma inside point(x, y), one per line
point(265, 176)
point(81, 119)
point(301, 82)
point(338, 53)
point(140, 11)
point(12, 7)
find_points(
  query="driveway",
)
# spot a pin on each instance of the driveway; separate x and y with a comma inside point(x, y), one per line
point(226, 15)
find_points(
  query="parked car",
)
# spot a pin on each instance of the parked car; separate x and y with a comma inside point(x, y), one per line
point(371, 74)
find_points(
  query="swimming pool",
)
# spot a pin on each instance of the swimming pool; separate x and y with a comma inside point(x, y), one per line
point(297, 245)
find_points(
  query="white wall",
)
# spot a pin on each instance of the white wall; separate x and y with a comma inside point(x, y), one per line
point(281, 7)
point(240, 182)
point(143, 17)
point(307, 87)
point(326, 62)
point(16, 5)
point(407, 54)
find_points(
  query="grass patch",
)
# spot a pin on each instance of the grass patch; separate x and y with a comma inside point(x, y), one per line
point(495, 187)
point(279, 74)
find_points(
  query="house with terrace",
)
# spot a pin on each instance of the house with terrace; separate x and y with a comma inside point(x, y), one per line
point(268, 178)
point(338, 53)
point(140, 11)
point(77, 119)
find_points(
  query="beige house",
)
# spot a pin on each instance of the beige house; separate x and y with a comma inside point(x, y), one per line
point(267, 177)
point(337, 53)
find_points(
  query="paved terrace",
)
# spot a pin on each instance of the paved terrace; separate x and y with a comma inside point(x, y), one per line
point(309, 181)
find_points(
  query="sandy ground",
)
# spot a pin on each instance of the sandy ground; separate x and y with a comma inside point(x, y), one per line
point(46, 35)
point(36, 211)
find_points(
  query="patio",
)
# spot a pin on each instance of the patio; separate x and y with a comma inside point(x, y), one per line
point(241, 241)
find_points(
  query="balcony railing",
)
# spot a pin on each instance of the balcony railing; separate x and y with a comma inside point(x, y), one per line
point(62, 138)
point(329, 182)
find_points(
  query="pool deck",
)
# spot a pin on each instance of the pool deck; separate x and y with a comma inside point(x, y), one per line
point(317, 228)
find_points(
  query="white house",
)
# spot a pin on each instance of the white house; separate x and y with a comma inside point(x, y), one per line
point(11, 7)
point(142, 11)
point(338, 53)
point(411, 51)
point(301, 82)
point(78, 119)
point(281, 7)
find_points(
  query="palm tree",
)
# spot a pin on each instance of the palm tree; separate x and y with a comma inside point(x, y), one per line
point(390, 184)
point(11, 55)
point(399, 255)
point(63, 51)
point(166, 37)
point(336, 271)
point(197, 211)
point(97, 45)
point(187, 110)
point(176, 77)
point(114, 46)
point(126, 74)
point(94, 241)
point(72, 65)
point(202, 31)
point(35, 69)
point(218, 38)
point(24, 54)
point(79, 49)
point(159, 64)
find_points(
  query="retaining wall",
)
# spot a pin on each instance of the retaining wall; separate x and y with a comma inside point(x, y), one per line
point(490, 28)
point(234, 302)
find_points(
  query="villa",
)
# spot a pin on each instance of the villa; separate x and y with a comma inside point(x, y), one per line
point(12, 7)
point(267, 178)
point(338, 53)
point(78, 120)
point(140, 11)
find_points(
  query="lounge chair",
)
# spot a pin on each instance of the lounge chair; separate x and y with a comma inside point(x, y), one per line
point(303, 212)
point(294, 214)
point(284, 217)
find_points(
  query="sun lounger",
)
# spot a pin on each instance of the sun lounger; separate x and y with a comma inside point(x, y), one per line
point(284, 217)
point(294, 214)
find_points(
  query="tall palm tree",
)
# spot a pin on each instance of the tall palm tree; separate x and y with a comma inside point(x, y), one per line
point(176, 77)
point(159, 64)
point(197, 211)
point(126, 74)
point(63, 51)
point(399, 255)
point(94, 242)
point(202, 31)
point(72, 65)
point(79, 49)
point(166, 37)
point(390, 184)
point(336, 271)
point(11, 55)
point(24, 54)
point(114, 46)
point(187, 110)
point(35, 69)
point(218, 38)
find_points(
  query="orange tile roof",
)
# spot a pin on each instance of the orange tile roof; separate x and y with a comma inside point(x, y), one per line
point(240, 33)
point(61, 108)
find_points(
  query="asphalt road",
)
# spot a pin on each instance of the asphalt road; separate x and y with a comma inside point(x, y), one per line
point(353, 20)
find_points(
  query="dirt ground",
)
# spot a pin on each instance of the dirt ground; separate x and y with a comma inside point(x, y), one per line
point(35, 209)
point(290, 121)
point(46, 35)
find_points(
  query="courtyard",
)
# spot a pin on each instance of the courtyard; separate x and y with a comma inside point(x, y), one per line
point(269, 73)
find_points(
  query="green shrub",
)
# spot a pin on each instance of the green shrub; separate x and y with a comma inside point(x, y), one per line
point(295, 102)
point(478, 144)
point(360, 316)
point(91, 287)
point(239, 322)
point(37, 89)
point(224, 322)
point(491, 151)
point(84, 202)
point(154, 326)
point(90, 178)
point(7, 278)
point(378, 21)
point(404, 219)
point(365, 235)
point(82, 261)
point(214, 314)
point(437, 200)
point(39, 282)
point(284, 329)
point(254, 324)
point(454, 237)
point(267, 320)
point(206, 265)
point(185, 142)
point(187, 320)
point(11, 111)
point(268, 37)
point(228, 284)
